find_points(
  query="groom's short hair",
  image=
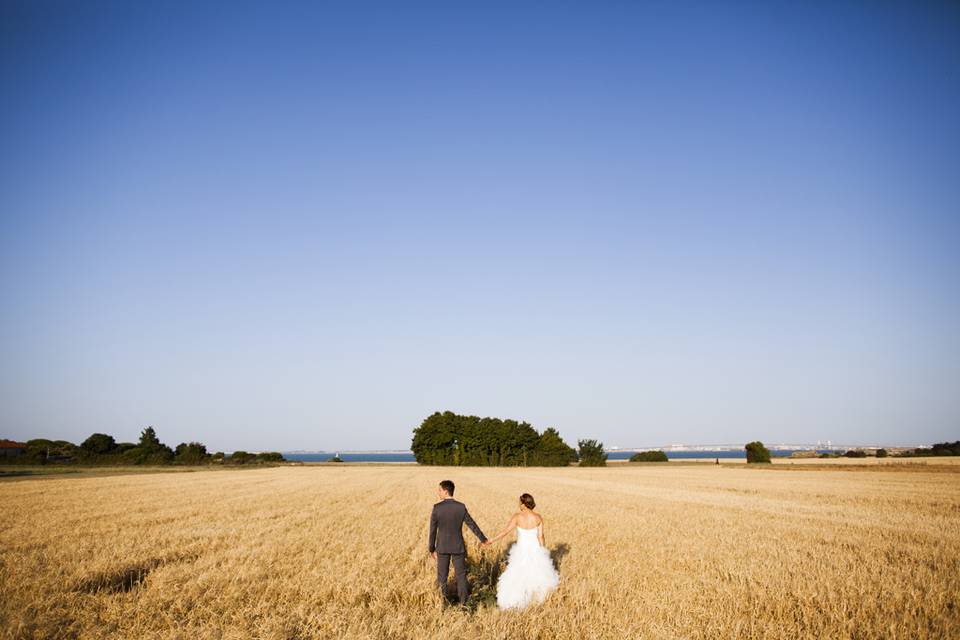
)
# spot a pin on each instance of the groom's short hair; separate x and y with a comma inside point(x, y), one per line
point(447, 485)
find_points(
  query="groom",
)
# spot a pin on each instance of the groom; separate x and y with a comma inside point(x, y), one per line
point(447, 518)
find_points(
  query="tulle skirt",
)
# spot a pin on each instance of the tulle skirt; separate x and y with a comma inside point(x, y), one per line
point(528, 578)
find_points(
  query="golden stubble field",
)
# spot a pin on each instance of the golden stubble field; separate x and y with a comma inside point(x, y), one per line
point(669, 551)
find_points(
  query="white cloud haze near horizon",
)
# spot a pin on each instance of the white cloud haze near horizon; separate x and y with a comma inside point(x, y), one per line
point(310, 227)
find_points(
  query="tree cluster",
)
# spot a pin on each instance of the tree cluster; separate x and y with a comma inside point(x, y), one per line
point(649, 456)
point(757, 452)
point(455, 440)
point(938, 449)
point(243, 457)
point(855, 453)
point(591, 453)
point(103, 449)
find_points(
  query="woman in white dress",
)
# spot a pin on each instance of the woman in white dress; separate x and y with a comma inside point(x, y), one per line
point(529, 575)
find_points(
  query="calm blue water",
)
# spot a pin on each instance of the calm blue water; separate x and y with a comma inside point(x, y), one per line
point(351, 457)
point(408, 457)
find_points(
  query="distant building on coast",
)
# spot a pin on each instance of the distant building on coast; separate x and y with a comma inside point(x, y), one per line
point(11, 449)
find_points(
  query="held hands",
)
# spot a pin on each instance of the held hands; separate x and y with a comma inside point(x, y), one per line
point(433, 554)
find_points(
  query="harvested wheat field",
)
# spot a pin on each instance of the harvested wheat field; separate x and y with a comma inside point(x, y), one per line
point(670, 551)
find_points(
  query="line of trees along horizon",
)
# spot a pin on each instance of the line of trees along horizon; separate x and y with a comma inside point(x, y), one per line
point(103, 449)
point(450, 439)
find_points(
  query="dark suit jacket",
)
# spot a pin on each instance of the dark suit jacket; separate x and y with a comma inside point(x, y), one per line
point(446, 527)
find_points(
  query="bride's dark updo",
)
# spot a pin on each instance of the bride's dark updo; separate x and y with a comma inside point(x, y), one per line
point(527, 501)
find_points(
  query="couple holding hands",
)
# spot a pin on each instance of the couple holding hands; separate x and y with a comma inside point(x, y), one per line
point(530, 574)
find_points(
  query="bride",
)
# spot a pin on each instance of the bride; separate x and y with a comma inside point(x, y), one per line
point(529, 575)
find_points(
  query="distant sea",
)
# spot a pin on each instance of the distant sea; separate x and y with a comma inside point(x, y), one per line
point(324, 456)
point(611, 455)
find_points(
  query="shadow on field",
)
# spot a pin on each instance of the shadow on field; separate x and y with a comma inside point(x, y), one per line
point(558, 553)
point(482, 575)
point(128, 577)
point(119, 581)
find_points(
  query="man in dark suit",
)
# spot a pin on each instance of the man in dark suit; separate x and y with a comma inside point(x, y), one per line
point(446, 538)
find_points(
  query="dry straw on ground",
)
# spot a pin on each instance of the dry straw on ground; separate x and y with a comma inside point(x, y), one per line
point(667, 551)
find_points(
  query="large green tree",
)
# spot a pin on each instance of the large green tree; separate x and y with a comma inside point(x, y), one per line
point(552, 451)
point(591, 453)
point(149, 439)
point(756, 452)
point(191, 453)
point(99, 444)
point(451, 439)
point(149, 450)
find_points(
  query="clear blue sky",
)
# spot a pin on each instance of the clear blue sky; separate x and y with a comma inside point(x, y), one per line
point(278, 226)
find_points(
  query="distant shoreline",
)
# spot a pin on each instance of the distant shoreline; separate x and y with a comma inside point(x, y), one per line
point(706, 450)
point(612, 456)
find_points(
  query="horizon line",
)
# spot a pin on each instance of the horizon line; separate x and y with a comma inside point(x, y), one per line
point(674, 447)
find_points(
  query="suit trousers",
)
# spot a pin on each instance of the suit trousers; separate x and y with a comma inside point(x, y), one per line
point(459, 570)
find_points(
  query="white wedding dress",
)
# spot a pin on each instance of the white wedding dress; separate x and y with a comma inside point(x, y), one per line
point(529, 575)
